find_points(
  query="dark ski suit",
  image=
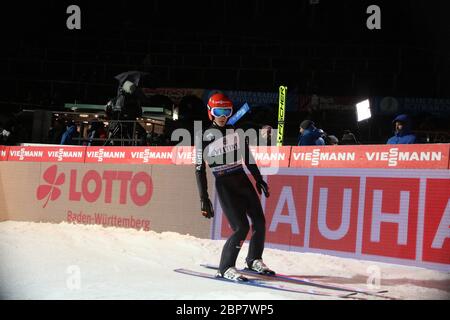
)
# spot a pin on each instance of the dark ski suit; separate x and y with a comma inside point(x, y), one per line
point(236, 193)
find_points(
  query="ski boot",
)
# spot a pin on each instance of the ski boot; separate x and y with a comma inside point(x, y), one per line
point(232, 274)
point(260, 267)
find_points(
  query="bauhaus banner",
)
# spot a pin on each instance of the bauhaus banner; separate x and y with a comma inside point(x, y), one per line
point(394, 216)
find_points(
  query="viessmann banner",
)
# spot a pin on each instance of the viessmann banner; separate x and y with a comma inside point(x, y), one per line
point(105, 155)
point(3, 153)
point(264, 156)
point(434, 156)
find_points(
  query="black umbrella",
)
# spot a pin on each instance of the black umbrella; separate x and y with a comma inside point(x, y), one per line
point(132, 76)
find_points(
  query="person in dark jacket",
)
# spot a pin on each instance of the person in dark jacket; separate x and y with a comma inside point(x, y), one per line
point(97, 131)
point(310, 135)
point(225, 152)
point(348, 139)
point(403, 134)
point(56, 132)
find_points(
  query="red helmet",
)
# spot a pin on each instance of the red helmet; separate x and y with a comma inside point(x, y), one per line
point(218, 100)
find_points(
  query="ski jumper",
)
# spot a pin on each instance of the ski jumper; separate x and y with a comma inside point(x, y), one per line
point(236, 193)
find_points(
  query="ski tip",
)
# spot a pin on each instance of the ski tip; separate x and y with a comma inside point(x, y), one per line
point(351, 294)
point(243, 279)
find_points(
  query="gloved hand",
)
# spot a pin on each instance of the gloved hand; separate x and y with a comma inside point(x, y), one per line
point(207, 208)
point(261, 185)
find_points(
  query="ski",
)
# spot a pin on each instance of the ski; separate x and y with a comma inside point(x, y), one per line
point(281, 114)
point(303, 281)
point(254, 282)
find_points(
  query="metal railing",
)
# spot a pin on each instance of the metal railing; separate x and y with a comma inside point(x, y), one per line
point(118, 133)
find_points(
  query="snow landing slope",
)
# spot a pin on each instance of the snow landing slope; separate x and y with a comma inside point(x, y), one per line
point(65, 261)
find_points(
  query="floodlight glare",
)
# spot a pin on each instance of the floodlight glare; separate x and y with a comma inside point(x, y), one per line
point(363, 110)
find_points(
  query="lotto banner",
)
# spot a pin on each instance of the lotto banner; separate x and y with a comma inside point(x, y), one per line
point(145, 197)
point(394, 216)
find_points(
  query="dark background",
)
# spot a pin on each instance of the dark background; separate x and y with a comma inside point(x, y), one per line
point(322, 49)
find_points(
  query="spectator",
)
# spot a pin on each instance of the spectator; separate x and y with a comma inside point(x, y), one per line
point(97, 131)
point(56, 131)
point(403, 134)
point(349, 139)
point(332, 140)
point(310, 135)
point(70, 133)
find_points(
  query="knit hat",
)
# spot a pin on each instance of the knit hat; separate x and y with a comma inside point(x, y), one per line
point(306, 124)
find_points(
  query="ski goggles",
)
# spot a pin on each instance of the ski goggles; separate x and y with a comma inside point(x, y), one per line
point(221, 112)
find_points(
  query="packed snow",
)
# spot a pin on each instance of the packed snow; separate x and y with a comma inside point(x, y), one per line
point(66, 261)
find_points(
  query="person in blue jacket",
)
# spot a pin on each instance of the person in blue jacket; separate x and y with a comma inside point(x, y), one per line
point(69, 134)
point(403, 134)
point(310, 135)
